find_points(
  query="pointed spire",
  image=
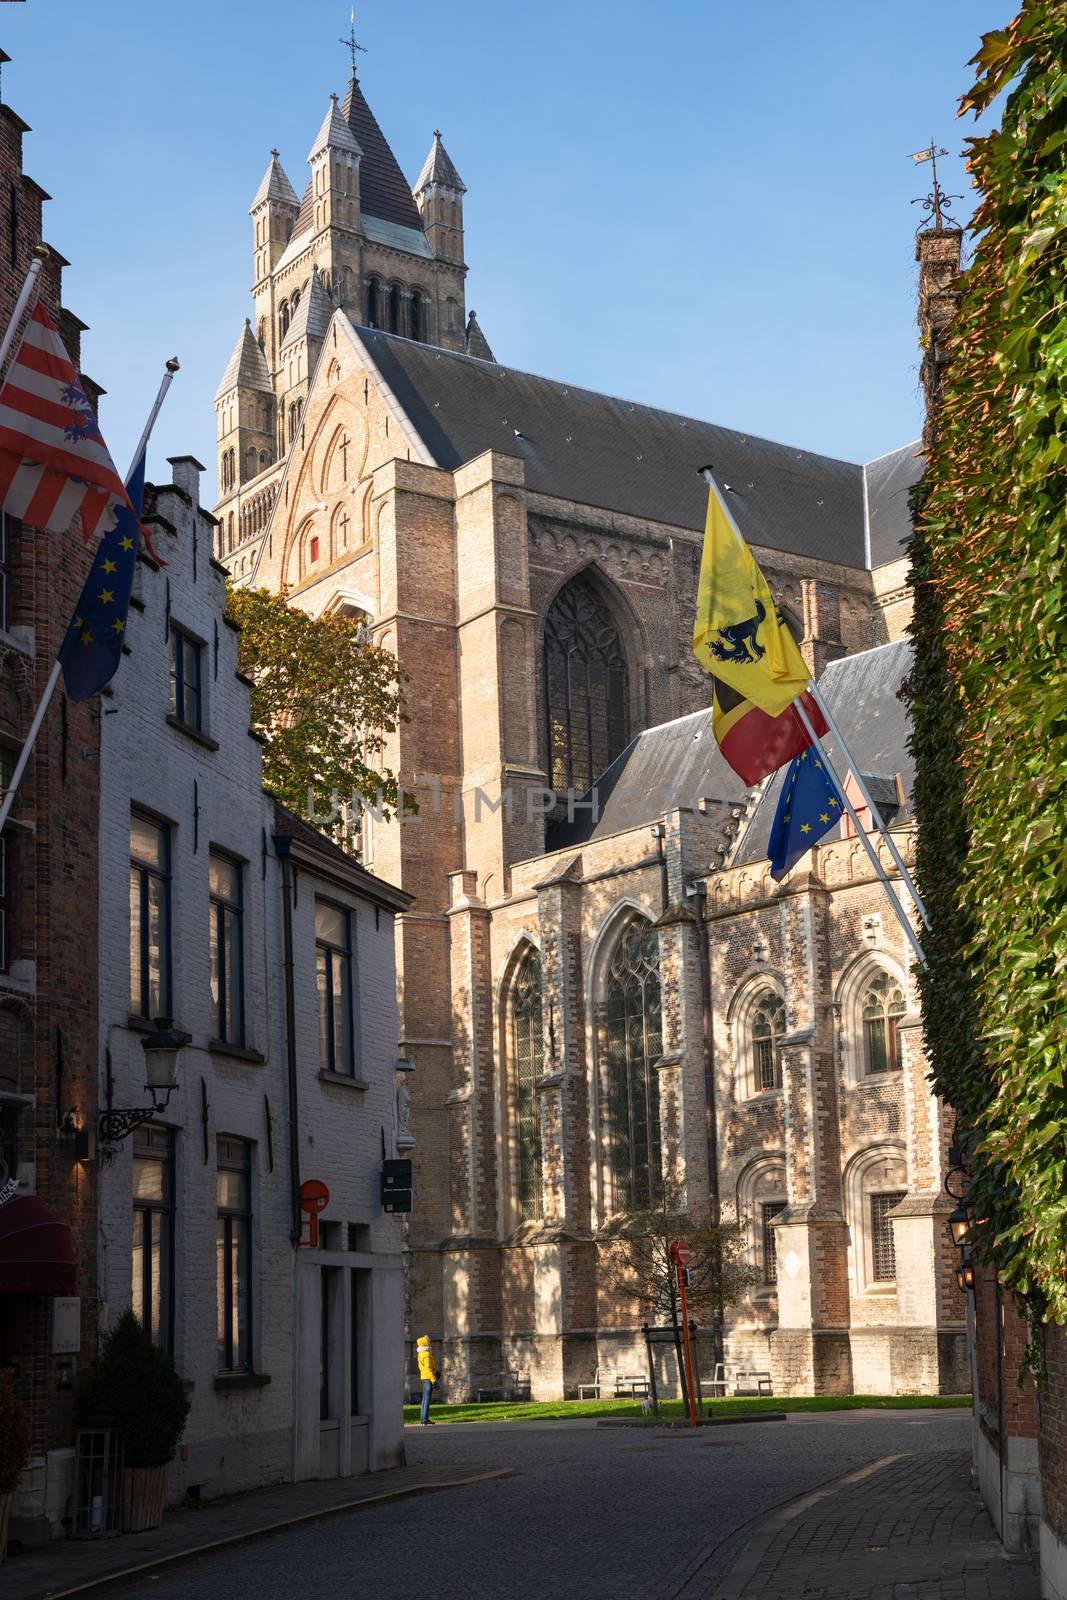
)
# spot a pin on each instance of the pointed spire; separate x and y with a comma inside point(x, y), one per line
point(312, 315)
point(335, 134)
point(247, 367)
point(475, 343)
point(275, 185)
point(383, 188)
point(439, 168)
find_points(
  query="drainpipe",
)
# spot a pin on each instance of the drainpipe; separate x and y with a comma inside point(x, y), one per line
point(658, 831)
point(281, 846)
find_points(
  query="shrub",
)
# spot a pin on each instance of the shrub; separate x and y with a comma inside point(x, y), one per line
point(135, 1382)
point(14, 1436)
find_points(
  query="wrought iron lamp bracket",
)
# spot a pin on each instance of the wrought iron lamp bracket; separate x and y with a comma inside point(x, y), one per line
point(118, 1122)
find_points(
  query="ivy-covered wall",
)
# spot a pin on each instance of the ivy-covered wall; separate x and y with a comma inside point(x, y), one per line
point(989, 559)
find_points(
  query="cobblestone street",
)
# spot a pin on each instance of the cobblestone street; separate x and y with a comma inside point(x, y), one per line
point(625, 1514)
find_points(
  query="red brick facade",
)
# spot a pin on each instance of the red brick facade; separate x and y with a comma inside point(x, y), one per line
point(48, 970)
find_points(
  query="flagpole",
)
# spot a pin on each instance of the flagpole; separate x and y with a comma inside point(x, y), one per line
point(708, 475)
point(868, 802)
point(40, 256)
point(862, 835)
point(30, 740)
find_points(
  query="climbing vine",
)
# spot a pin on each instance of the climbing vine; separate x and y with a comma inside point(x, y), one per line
point(989, 690)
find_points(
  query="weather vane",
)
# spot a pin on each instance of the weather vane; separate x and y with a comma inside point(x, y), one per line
point(936, 202)
point(350, 42)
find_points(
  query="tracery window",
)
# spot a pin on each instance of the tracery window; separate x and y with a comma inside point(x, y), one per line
point(635, 1044)
point(768, 1027)
point(883, 1005)
point(586, 687)
point(527, 1047)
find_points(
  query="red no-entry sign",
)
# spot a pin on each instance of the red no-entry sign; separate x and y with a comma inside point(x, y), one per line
point(679, 1252)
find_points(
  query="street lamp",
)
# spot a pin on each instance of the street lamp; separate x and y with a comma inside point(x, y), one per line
point(161, 1050)
point(965, 1275)
point(959, 1225)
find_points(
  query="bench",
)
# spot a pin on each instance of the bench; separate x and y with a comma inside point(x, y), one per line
point(632, 1385)
point(753, 1383)
point(506, 1385)
point(590, 1391)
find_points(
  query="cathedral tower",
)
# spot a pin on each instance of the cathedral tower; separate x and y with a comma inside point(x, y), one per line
point(359, 238)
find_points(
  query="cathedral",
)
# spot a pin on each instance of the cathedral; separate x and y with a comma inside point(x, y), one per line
point(596, 997)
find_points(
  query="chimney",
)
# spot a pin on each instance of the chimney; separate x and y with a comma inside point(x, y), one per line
point(186, 476)
point(938, 252)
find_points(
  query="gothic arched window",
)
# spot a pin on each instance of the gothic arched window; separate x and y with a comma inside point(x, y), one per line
point(883, 1006)
point(373, 303)
point(394, 309)
point(768, 1026)
point(527, 1050)
point(635, 1044)
point(416, 316)
point(587, 690)
point(283, 319)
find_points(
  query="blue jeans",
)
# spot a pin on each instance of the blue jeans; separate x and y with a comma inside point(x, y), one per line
point(427, 1390)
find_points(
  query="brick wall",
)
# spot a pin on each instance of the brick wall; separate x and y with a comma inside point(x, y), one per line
point(48, 994)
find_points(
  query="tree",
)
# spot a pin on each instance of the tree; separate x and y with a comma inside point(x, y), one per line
point(636, 1263)
point(323, 701)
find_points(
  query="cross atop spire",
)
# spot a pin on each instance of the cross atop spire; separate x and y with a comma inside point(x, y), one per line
point(350, 42)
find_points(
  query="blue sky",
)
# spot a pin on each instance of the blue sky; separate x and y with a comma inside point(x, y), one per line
point(702, 205)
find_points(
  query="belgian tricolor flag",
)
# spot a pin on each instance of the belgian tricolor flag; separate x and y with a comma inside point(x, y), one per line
point(753, 743)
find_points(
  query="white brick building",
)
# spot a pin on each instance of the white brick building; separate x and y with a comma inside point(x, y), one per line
point(221, 910)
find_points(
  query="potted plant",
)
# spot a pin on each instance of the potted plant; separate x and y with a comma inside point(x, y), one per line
point(135, 1381)
point(14, 1451)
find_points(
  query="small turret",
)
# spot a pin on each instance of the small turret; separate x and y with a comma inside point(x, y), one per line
point(244, 405)
point(474, 341)
point(334, 161)
point(273, 212)
point(439, 192)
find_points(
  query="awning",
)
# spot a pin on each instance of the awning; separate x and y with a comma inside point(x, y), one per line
point(36, 1249)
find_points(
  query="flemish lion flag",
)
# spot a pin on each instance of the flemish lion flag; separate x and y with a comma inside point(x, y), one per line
point(738, 635)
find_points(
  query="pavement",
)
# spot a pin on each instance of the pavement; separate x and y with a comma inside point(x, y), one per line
point(191, 1533)
point(905, 1527)
point(859, 1505)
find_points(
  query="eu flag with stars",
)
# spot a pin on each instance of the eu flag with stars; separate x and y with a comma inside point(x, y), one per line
point(92, 649)
point(808, 806)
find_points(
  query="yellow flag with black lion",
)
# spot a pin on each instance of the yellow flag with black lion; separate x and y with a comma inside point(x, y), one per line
point(738, 635)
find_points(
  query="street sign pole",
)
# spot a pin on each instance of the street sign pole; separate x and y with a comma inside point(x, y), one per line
point(680, 1254)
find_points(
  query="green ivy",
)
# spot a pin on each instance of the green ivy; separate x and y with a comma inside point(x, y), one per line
point(990, 683)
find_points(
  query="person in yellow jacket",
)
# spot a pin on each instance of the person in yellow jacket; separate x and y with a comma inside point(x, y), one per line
point(428, 1374)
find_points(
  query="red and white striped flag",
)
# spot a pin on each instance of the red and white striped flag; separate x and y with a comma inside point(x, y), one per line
point(53, 459)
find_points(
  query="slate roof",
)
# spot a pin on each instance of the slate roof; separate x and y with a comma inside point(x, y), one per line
point(602, 451)
point(861, 691)
point(335, 133)
point(439, 168)
point(247, 367)
point(312, 315)
point(383, 188)
point(888, 480)
point(675, 764)
point(275, 185)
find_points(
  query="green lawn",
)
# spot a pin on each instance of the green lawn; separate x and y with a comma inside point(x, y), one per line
point(519, 1411)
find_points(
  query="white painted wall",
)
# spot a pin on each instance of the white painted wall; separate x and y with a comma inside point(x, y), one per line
point(244, 1436)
